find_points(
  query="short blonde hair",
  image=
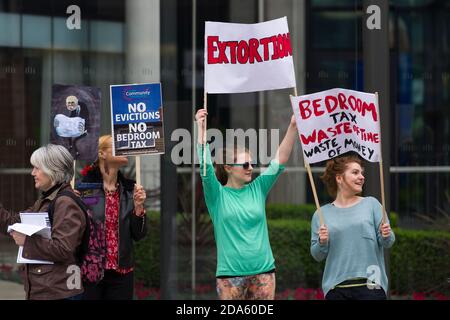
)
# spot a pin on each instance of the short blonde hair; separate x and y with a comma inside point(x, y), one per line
point(104, 142)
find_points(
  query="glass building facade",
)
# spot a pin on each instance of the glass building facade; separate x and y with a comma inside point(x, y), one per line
point(139, 41)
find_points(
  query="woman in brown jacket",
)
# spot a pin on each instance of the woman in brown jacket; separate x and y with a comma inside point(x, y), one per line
point(52, 172)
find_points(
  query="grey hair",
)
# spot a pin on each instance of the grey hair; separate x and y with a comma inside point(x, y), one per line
point(55, 161)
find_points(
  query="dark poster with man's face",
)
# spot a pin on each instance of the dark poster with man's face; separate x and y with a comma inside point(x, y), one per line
point(75, 120)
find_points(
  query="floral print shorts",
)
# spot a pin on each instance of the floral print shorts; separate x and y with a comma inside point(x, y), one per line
point(253, 287)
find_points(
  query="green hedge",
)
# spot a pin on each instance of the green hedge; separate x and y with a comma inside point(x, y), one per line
point(305, 212)
point(147, 254)
point(419, 260)
point(290, 241)
point(290, 211)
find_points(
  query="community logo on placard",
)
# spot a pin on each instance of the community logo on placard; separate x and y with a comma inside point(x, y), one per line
point(129, 93)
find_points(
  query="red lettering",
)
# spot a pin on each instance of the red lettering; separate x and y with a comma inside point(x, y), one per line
point(316, 105)
point(254, 54)
point(222, 52)
point(265, 43)
point(338, 128)
point(352, 103)
point(321, 136)
point(376, 138)
point(332, 131)
point(342, 99)
point(328, 101)
point(211, 49)
point(309, 139)
point(280, 45)
point(347, 128)
point(358, 105)
point(369, 108)
point(275, 55)
point(305, 113)
point(242, 52)
point(233, 46)
point(370, 137)
point(287, 44)
point(247, 51)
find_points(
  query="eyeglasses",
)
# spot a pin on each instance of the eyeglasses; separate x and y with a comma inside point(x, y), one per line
point(245, 165)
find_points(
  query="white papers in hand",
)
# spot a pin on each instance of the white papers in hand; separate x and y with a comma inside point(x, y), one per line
point(32, 223)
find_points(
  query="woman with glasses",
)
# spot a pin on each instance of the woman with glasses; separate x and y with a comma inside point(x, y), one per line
point(236, 204)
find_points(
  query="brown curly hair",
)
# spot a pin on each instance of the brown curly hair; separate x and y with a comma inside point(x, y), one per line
point(336, 167)
point(224, 155)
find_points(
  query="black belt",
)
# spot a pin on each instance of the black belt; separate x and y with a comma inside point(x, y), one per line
point(359, 282)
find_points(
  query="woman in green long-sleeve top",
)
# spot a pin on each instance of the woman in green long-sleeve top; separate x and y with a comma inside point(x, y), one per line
point(353, 238)
point(236, 204)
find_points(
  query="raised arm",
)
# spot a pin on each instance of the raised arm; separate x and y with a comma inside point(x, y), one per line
point(285, 148)
point(211, 186)
point(200, 118)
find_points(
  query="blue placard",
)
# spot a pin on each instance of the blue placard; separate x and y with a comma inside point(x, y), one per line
point(136, 103)
point(136, 112)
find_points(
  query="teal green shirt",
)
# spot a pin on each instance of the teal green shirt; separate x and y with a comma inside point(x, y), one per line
point(239, 219)
point(355, 246)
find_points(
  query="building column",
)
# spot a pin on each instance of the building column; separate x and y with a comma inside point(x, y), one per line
point(376, 79)
point(292, 186)
point(142, 58)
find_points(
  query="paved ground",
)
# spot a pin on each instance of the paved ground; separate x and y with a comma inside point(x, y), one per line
point(8, 254)
point(11, 291)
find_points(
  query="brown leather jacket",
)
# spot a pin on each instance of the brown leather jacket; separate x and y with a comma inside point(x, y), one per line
point(45, 281)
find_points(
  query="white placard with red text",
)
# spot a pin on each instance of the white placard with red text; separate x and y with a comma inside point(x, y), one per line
point(248, 57)
point(333, 122)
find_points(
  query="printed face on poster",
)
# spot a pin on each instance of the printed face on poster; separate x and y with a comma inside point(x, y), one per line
point(248, 57)
point(75, 120)
point(137, 119)
point(336, 121)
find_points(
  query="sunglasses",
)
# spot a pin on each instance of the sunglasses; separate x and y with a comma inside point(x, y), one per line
point(244, 165)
